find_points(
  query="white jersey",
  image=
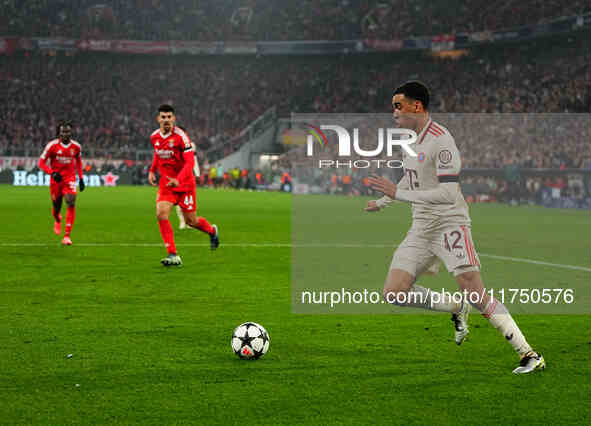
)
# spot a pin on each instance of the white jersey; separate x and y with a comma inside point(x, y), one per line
point(196, 166)
point(437, 161)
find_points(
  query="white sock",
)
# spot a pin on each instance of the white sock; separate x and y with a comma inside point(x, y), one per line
point(501, 319)
point(180, 215)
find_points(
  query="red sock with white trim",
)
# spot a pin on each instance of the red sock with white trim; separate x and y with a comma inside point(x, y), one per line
point(204, 225)
point(70, 217)
point(167, 235)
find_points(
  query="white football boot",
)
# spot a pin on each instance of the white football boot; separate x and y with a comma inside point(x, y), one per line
point(172, 260)
point(531, 361)
point(460, 321)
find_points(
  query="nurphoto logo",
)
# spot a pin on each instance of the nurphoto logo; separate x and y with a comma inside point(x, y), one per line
point(387, 139)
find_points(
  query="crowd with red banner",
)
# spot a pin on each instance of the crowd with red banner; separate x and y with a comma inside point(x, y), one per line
point(111, 99)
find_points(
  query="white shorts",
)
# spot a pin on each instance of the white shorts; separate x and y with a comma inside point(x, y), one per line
point(421, 251)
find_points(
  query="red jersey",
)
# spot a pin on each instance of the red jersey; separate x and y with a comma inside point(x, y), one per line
point(174, 157)
point(64, 159)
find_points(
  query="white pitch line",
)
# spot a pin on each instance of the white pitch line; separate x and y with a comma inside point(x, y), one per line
point(536, 262)
point(289, 245)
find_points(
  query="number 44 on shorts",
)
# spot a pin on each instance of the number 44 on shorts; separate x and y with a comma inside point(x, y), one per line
point(188, 200)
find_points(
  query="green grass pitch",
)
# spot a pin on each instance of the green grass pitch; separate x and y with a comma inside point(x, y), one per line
point(152, 345)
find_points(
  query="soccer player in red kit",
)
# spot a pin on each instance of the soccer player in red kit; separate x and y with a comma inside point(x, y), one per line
point(174, 159)
point(61, 159)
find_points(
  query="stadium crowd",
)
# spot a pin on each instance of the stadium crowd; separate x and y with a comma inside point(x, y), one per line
point(272, 19)
point(112, 99)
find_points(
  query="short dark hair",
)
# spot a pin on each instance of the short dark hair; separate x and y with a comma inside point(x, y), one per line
point(60, 124)
point(415, 90)
point(165, 108)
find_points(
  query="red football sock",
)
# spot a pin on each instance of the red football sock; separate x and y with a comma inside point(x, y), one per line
point(204, 225)
point(70, 217)
point(167, 235)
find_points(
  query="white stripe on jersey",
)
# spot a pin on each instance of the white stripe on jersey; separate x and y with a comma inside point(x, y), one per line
point(48, 147)
point(437, 129)
point(196, 167)
point(184, 136)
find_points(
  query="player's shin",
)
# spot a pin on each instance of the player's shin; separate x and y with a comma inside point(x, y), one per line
point(501, 319)
point(70, 217)
point(181, 217)
point(56, 209)
point(204, 225)
point(435, 301)
point(56, 214)
point(167, 235)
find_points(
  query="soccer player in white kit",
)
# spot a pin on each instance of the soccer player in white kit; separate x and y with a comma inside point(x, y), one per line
point(440, 228)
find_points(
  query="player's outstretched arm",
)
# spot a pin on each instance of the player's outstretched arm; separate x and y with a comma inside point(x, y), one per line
point(45, 155)
point(152, 178)
point(44, 166)
point(445, 193)
point(372, 206)
point(383, 184)
point(187, 170)
point(448, 165)
point(152, 172)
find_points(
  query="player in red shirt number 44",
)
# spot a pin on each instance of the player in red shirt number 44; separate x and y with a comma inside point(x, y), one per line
point(174, 160)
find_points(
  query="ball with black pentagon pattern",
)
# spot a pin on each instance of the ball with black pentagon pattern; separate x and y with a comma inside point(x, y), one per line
point(250, 340)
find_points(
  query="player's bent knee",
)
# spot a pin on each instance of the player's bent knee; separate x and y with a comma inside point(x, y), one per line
point(469, 280)
point(398, 282)
point(191, 220)
point(162, 212)
point(394, 297)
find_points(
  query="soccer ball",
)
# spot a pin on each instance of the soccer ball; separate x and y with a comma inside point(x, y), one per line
point(250, 340)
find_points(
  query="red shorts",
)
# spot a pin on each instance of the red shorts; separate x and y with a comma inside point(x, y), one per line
point(59, 189)
point(185, 200)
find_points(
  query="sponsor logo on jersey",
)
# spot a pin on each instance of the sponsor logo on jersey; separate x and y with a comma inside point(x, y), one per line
point(157, 143)
point(63, 159)
point(445, 156)
point(164, 153)
point(171, 144)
